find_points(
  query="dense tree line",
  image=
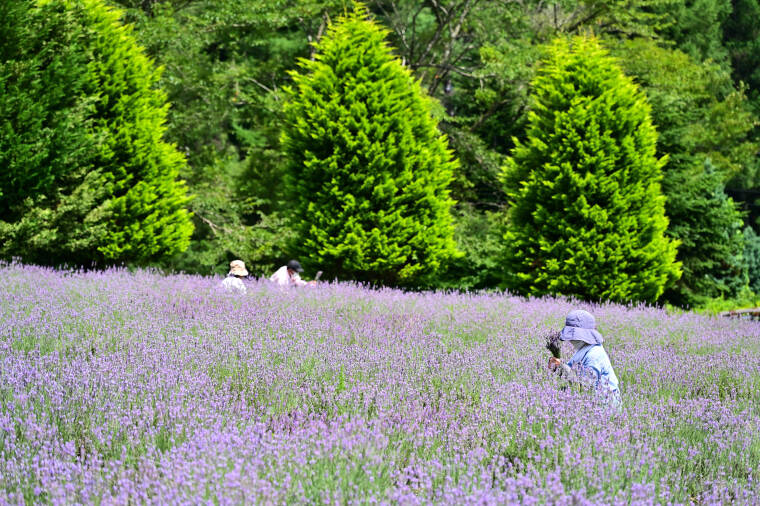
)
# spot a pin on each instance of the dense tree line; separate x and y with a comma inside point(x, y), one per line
point(226, 70)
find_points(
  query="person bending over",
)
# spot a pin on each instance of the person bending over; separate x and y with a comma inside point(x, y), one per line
point(590, 365)
point(289, 275)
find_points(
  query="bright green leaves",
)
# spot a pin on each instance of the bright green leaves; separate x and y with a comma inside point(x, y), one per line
point(108, 189)
point(369, 172)
point(586, 212)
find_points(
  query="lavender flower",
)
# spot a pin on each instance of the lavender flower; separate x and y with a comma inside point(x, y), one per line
point(122, 387)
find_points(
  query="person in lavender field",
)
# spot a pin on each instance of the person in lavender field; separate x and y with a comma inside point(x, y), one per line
point(590, 365)
point(234, 282)
point(289, 275)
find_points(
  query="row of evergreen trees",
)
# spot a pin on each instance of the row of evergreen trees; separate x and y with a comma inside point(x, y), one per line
point(366, 174)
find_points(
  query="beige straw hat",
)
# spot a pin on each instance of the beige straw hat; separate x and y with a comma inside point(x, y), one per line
point(237, 268)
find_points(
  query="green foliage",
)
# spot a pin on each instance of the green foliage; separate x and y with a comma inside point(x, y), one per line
point(50, 207)
point(745, 300)
point(368, 171)
point(43, 107)
point(704, 127)
point(696, 27)
point(752, 258)
point(698, 112)
point(741, 33)
point(587, 215)
point(478, 237)
point(225, 64)
point(148, 218)
point(709, 227)
point(223, 231)
point(487, 53)
point(122, 202)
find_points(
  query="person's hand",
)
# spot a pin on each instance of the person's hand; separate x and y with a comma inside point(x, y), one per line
point(312, 283)
point(554, 362)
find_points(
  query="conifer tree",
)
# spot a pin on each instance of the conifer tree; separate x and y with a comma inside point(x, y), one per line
point(147, 208)
point(369, 171)
point(44, 129)
point(113, 194)
point(709, 227)
point(586, 214)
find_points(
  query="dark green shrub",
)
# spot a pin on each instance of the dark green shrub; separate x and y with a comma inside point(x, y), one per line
point(709, 227)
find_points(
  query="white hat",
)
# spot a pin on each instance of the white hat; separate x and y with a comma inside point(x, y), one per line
point(237, 268)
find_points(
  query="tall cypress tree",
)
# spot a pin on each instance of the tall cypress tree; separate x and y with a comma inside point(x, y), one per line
point(368, 171)
point(147, 215)
point(44, 128)
point(709, 227)
point(586, 211)
point(111, 193)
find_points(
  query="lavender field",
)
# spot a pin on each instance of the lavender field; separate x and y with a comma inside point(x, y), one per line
point(119, 387)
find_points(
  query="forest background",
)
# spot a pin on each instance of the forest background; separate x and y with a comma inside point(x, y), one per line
point(226, 65)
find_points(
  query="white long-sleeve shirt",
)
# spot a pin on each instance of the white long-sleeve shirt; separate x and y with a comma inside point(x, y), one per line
point(283, 278)
point(233, 284)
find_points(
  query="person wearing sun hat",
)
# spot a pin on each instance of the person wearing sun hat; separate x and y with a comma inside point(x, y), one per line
point(233, 282)
point(590, 365)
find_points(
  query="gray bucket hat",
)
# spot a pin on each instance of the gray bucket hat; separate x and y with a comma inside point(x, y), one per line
point(581, 326)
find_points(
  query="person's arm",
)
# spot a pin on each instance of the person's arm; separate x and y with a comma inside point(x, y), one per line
point(564, 370)
point(297, 280)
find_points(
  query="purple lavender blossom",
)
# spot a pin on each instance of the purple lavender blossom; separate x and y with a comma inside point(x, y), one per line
point(130, 387)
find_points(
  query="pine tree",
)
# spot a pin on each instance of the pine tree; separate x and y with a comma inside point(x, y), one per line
point(119, 199)
point(703, 124)
point(708, 225)
point(586, 213)
point(369, 171)
point(44, 129)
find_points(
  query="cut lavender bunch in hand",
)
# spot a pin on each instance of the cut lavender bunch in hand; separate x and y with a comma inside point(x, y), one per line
point(553, 343)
